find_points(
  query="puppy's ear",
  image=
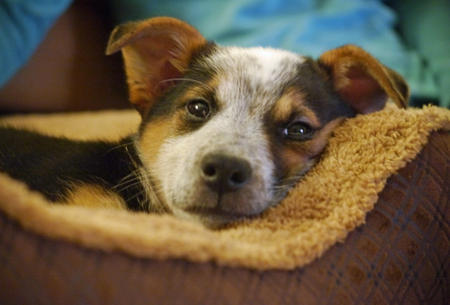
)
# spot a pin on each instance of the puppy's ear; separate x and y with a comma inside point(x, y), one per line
point(363, 82)
point(155, 51)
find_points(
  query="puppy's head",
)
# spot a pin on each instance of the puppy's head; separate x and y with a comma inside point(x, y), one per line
point(226, 131)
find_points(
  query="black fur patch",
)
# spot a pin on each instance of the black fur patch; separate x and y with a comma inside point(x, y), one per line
point(53, 166)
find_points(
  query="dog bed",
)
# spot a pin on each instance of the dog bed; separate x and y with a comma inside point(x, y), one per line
point(342, 235)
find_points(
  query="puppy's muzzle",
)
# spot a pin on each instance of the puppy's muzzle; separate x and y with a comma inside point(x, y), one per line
point(223, 173)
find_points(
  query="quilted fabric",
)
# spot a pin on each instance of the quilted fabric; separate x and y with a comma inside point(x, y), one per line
point(400, 256)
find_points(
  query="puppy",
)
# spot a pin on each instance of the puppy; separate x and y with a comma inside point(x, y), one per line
point(225, 131)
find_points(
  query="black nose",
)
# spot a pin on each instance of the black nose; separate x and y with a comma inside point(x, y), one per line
point(224, 173)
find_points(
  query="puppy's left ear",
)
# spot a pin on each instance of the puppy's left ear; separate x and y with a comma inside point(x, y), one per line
point(155, 51)
point(362, 81)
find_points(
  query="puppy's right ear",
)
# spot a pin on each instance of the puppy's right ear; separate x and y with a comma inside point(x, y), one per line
point(362, 81)
point(155, 51)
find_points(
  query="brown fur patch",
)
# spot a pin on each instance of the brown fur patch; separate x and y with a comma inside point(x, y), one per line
point(94, 196)
point(153, 136)
point(292, 161)
point(292, 102)
point(320, 140)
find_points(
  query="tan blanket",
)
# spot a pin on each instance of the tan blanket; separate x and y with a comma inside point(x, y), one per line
point(321, 210)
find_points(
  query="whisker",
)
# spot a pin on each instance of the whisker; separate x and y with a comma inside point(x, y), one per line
point(152, 191)
point(131, 177)
point(286, 184)
point(138, 194)
point(120, 146)
point(124, 187)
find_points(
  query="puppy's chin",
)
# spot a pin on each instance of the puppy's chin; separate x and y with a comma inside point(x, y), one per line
point(211, 218)
point(214, 212)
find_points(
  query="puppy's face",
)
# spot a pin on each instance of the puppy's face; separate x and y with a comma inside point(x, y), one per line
point(236, 131)
point(226, 131)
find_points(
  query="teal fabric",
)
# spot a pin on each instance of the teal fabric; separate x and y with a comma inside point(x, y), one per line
point(308, 27)
point(425, 26)
point(23, 24)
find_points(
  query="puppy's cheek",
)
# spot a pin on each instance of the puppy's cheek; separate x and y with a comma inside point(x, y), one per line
point(166, 168)
point(294, 163)
point(175, 168)
point(152, 137)
point(149, 143)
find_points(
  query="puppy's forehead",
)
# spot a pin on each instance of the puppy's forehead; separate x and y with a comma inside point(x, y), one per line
point(260, 64)
point(253, 72)
point(267, 59)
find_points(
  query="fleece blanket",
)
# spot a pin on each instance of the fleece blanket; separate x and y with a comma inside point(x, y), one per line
point(331, 201)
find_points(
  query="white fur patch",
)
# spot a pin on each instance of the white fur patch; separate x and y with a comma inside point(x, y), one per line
point(269, 62)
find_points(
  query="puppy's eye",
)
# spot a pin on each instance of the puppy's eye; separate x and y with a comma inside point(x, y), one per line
point(199, 108)
point(298, 131)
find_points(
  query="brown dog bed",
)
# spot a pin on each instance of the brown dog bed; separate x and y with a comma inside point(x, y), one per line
point(76, 255)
